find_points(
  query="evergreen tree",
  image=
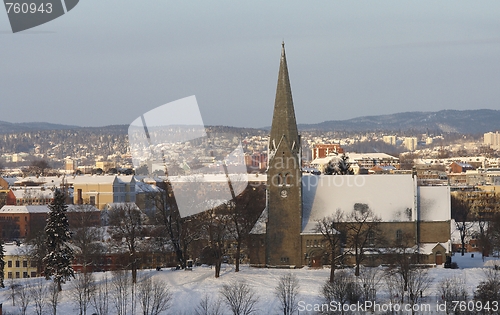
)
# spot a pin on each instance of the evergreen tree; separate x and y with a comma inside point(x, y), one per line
point(59, 255)
point(2, 264)
point(342, 167)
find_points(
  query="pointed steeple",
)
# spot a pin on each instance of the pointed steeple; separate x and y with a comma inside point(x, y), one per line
point(284, 123)
point(284, 180)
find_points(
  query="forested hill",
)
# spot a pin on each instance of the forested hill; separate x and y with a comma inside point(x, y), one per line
point(445, 121)
point(83, 141)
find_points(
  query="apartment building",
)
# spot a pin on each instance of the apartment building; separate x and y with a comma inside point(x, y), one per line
point(103, 190)
point(492, 139)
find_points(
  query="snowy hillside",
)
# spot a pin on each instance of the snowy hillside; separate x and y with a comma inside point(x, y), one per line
point(189, 287)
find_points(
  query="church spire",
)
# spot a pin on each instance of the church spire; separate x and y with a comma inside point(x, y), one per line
point(284, 123)
point(284, 179)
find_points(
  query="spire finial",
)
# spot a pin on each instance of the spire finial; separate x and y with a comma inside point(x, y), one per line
point(282, 48)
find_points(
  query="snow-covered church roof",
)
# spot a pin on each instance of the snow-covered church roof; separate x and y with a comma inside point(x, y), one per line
point(390, 197)
point(393, 198)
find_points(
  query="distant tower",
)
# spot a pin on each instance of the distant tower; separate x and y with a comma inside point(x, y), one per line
point(284, 202)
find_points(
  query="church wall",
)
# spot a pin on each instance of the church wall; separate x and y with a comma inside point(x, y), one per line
point(390, 231)
point(313, 246)
point(257, 250)
point(434, 232)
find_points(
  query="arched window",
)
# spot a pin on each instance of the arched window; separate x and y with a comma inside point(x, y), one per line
point(370, 237)
point(399, 237)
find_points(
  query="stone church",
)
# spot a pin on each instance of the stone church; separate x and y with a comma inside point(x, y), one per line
point(285, 235)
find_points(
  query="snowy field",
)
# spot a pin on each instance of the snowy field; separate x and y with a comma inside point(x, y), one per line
point(188, 287)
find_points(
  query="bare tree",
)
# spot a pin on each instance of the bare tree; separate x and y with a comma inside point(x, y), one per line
point(86, 235)
point(330, 228)
point(370, 278)
point(345, 289)
point(100, 298)
point(418, 283)
point(39, 294)
point(83, 288)
point(362, 232)
point(13, 290)
point(216, 225)
point(484, 235)
point(462, 213)
point(54, 297)
point(120, 284)
point(407, 160)
point(403, 257)
point(452, 289)
point(36, 238)
point(38, 167)
point(287, 291)
point(209, 307)
point(191, 229)
point(181, 232)
point(493, 232)
point(392, 286)
point(24, 299)
point(127, 223)
point(239, 297)
point(489, 289)
point(168, 216)
point(154, 296)
point(244, 213)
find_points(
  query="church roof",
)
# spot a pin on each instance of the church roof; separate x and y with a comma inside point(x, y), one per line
point(260, 225)
point(390, 197)
point(434, 203)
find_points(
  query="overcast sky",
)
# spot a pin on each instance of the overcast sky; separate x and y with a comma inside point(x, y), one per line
point(109, 61)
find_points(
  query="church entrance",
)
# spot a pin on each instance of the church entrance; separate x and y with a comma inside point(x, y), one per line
point(316, 258)
point(316, 262)
point(439, 258)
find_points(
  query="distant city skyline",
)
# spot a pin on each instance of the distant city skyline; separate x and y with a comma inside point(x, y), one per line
point(107, 62)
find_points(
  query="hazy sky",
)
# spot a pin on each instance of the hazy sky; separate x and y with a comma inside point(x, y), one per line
point(108, 61)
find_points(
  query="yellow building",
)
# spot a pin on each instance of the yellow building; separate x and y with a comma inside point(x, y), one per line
point(105, 165)
point(70, 164)
point(17, 262)
point(103, 190)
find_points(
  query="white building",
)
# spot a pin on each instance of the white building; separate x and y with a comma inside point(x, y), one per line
point(492, 139)
point(389, 140)
point(410, 143)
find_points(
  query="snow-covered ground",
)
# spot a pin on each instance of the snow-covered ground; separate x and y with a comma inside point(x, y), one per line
point(188, 287)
